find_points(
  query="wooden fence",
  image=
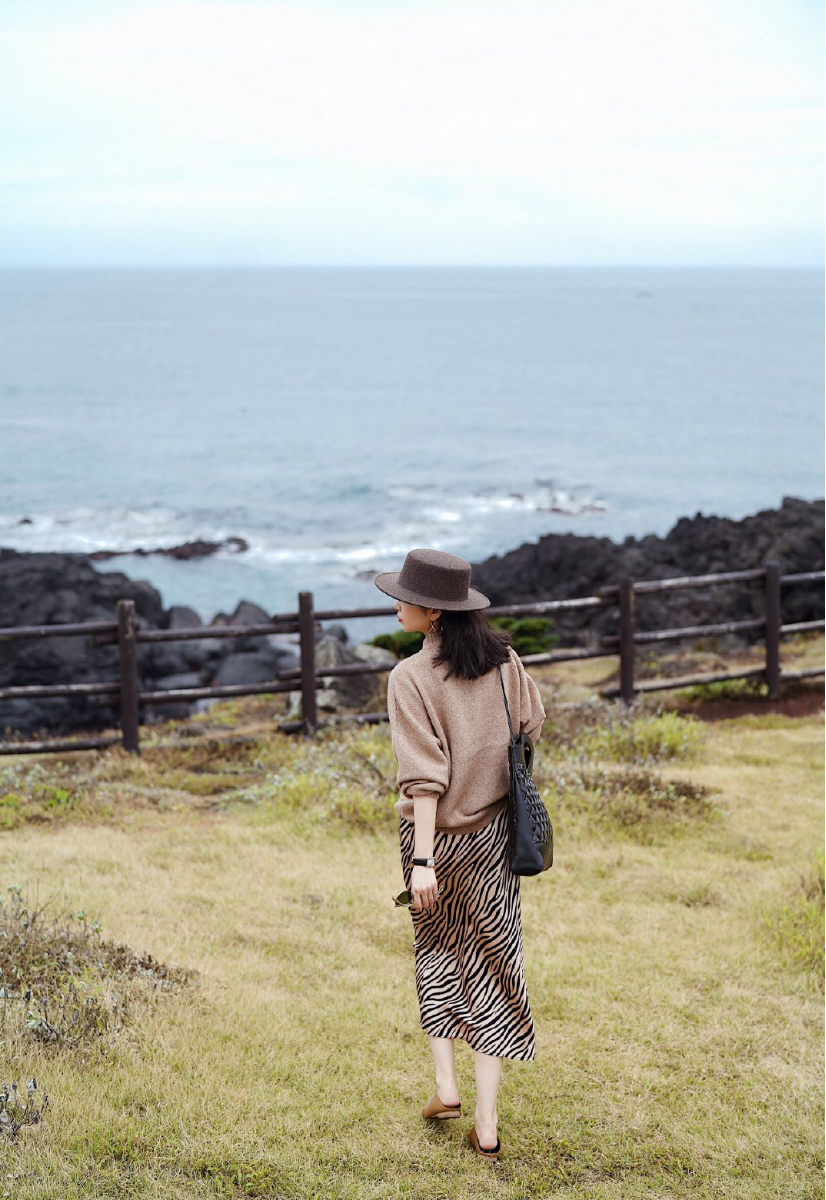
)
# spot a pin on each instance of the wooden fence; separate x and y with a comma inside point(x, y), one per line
point(307, 677)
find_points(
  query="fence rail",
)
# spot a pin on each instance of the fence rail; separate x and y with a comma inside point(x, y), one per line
point(307, 677)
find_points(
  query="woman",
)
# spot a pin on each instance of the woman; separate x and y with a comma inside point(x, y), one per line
point(450, 736)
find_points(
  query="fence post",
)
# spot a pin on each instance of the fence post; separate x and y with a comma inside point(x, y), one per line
point(626, 638)
point(773, 628)
point(306, 633)
point(127, 647)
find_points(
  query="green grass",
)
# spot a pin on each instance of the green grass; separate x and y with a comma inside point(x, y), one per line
point(724, 689)
point(637, 733)
point(798, 924)
point(673, 955)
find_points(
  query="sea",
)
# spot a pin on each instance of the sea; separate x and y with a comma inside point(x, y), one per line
point(336, 418)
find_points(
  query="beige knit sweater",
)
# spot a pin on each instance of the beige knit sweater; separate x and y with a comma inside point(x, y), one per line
point(450, 736)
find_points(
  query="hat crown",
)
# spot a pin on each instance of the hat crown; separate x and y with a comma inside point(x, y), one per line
point(433, 579)
point(444, 577)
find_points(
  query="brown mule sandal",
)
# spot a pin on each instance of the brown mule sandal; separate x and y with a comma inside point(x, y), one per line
point(480, 1150)
point(435, 1108)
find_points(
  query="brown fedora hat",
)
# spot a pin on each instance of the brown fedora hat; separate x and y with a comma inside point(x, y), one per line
point(433, 579)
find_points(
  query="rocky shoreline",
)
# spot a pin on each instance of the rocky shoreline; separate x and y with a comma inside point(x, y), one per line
point(55, 588)
point(196, 549)
point(567, 565)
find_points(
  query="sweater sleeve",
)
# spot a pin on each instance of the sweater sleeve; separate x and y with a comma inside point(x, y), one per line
point(532, 712)
point(424, 767)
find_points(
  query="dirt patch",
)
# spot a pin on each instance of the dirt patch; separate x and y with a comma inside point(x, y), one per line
point(798, 704)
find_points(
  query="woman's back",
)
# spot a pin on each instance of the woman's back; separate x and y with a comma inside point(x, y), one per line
point(450, 735)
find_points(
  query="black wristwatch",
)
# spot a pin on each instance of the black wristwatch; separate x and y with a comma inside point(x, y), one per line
point(424, 862)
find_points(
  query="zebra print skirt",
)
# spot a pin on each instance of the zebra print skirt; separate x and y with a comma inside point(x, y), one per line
point(468, 948)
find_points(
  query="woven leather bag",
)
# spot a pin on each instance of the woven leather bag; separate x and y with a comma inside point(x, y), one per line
point(530, 832)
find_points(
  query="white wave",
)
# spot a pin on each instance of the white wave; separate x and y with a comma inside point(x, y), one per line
point(541, 500)
point(449, 522)
point(442, 514)
point(83, 530)
point(488, 500)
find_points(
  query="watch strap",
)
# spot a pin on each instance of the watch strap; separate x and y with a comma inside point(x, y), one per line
point(424, 862)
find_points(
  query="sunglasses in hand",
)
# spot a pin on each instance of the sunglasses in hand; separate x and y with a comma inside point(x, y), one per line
point(404, 899)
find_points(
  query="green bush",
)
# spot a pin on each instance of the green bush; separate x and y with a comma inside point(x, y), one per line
point(643, 739)
point(31, 791)
point(402, 644)
point(531, 635)
point(725, 689)
point(344, 774)
point(632, 733)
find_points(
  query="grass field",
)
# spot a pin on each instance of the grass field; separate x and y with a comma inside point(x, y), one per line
point(674, 960)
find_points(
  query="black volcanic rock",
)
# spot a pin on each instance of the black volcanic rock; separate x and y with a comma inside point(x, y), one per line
point(52, 589)
point(197, 549)
point(561, 566)
point(55, 589)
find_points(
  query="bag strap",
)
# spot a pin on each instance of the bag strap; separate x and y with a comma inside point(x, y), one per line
point(507, 709)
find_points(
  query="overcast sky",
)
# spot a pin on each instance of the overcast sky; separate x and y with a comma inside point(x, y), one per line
point(377, 131)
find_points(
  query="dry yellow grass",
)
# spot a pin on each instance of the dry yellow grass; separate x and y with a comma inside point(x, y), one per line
point(679, 1039)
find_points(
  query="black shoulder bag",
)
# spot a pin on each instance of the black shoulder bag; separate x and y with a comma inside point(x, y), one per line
point(530, 833)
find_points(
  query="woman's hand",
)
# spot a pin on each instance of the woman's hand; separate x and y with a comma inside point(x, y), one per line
point(423, 888)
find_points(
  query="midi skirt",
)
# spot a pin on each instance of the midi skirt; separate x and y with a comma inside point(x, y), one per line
point(469, 961)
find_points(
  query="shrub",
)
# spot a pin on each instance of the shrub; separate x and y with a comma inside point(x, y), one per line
point(725, 689)
point(32, 792)
point(629, 737)
point(402, 644)
point(15, 1112)
point(346, 774)
point(632, 733)
point(71, 984)
point(531, 635)
point(636, 801)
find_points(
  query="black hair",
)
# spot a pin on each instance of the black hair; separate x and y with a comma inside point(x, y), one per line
point(469, 644)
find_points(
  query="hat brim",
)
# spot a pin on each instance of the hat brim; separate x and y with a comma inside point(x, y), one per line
point(388, 582)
